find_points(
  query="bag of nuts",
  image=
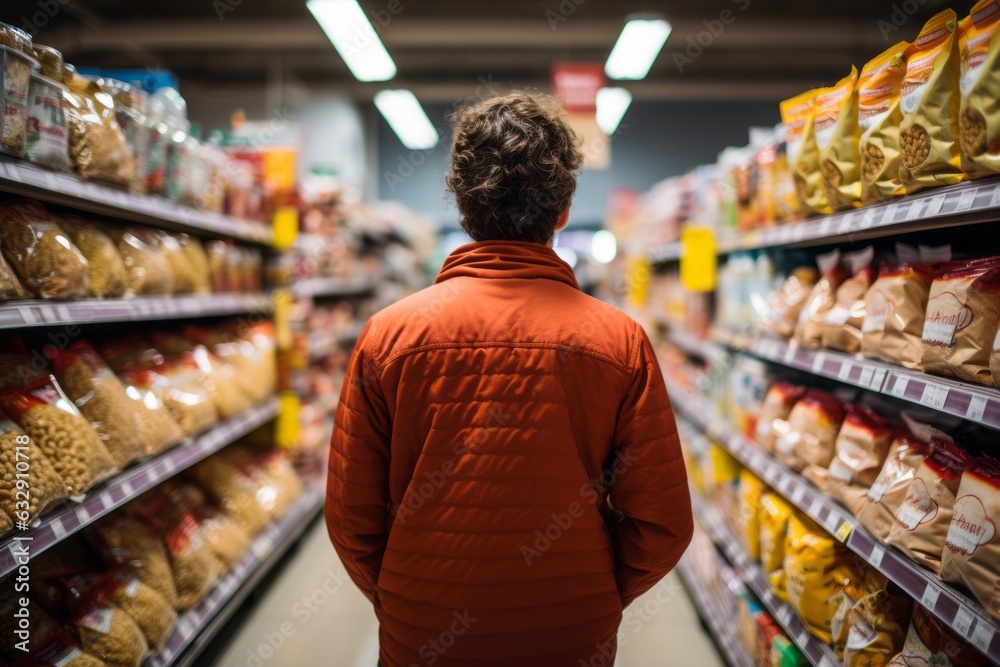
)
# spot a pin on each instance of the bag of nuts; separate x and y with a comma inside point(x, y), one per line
point(798, 115)
point(979, 122)
point(879, 116)
point(20, 456)
point(148, 269)
point(837, 136)
point(127, 540)
point(928, 133)
point(41, 254)
point(105, 267)
point(65, 437)
point(101, 398)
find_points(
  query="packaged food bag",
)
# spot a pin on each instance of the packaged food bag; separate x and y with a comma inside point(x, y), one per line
point(126, 539)
point(45, 485)
point(930, 642)
point(895, 308)
point(220, 532)
point(11, 288)
point(963, 315)
point(97, 145)
point(924, 516)
point(63, 651)
point(105, 267)
point(189, 404)
point(46, 136)
point(773, 518)
point(860, 452)
point(785, 654)
point(150, 611)
point(810, 433)
point(197, 258)
point(928, 134)
point(63, 435)
point(748, 525)
point(809, 328)
point(879, 116)
point(109, 634)
point(148, 269)
point(180, 266)
point(972, 548)
point(837, 137)
point(101, 398)
point(237, 487)
point(158, 430)
point(995, 359)
point(798, 115)
point(979, 120)
point(265, 359)
point(874, 635)
point(841, 328)
point(41, 254)
point(778, 403)
point(281, 476)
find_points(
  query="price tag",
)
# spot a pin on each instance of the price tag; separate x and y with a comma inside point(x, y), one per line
point(916, 208)
point(824, 224)
point(798, 232)
point(878, 553)
point(867, 373)
point(127, 489)
point(982, 636)
point(868, 219)
point(784, 614)
point(803, 638)
point(963, 622)
point(878, 379)
point(106, 501)
point(845, 223)
point(934, 205)
point(82, 514)
point(977, 406)
point(890, 213)
point(816, 506)
point(798, 493)
point(818, 361)
point(930, 597)
point(934, 396)
point(844, 531)
point(995, 198)
point(827, 661)
point(844, 372)
point(899, 387)
point(58, 529)
point(966, 200)
point(789, 356)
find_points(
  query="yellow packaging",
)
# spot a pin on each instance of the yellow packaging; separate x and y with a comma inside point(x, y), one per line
point(773, 519)
point(979, 121)
point(798, 116)
point(879, 116)
point(818, 568)
point(747, 522)
point(837, 137)
point(928, 134)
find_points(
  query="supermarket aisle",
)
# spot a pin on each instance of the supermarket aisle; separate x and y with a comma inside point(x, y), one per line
point(313, 614)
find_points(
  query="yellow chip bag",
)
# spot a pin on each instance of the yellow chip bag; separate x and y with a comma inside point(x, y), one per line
point(798, 116)
point(928, 133)
point(879, 116)
point(837, 136)
point(979, 122)
point(747, 522)
point(773, 519)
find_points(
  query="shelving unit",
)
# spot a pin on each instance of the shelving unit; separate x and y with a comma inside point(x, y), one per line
point(334, 287)
point(954, 608)
point(122, 488)
point(197, 627)
point(722, 629)
point(323, 344)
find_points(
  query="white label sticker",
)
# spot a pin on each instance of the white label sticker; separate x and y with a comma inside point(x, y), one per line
point(916, 208)
point(816, 506)
point(845, 223)
point(982, 637)
point(789, 356)
point(930, 597)
point(890, 213)
point(818, 361)
point(878, 379)
point(844, 372)
point(57, 528)
point(798, 493)
point(934, 204)
point(934, 396)
point(966, 200)
point(824, 225)
point(876, 558)
point(963, 622)
point(832, 522)
point(868, 219)
point(899, 387)
point(977, 408)
point(827, 661)
point(867, 373)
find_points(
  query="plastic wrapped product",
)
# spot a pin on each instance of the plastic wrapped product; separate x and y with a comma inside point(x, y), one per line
point(837, 137)
point(46, 134)
point(150, 611)
point(924, 516)
point(15, 38)
point(778, 403)
point(931, 642)
point(19, 455)
point(221, 534)
point(281, 476)
point(101, 398)
point(131, 105)
point(97, 145)
point(206, 371)
point(63, 652)
point(928, 133)
point(158, 430)
point(798, 115)
point(148, 269)
point(236, 490)
point(971, 555)
point(194, 252)
point(109, 634)
point(17, 67)
point(65, 437)
point(127, 540)
point(773, 518)
point(785, 304)
point(41, 254)
point(748, 522)
point(51, 61)
point(809, 328)
point(189, 405)
point(874, 635)
point(11, 288)
point(862, 446)
point(841, 327)
point(979, 122)
point(105, 267)
point(185, 278)
point(879, 116)
point(895, 306)
point(810, 434)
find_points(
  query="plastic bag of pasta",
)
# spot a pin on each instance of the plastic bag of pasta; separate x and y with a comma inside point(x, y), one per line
point(62, 651)
point(223, 536)
point(11, 288)
point(148, 269)
point(97, 145)
point(799, 116)
point(230, 480)
point(837, 137)
point(218, 378)
point(895, 306)
point(45, 485)
point(810, 434)
point(109, 634)
point(929, 132)
point(871, 632)
point(185, 279)
point(44, 259)
point(105, 267)
point(158, 430)
point(150, 611)
point(188, 404)
point(879, 116)
point(281, 476)
point(197, 258)
point(128, 540)
point(979, 120)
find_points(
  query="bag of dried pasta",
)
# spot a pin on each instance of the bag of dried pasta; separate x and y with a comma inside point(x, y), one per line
point(197, 258)
point(63, 650)
point(879, 116)
point(44, 259)
point(778, 403)
point(126, 539)
point(928, 133)
point(223, 536)
point(749, 492)
point(188, 404)
point(11, 288)
point(180, 266)
point(45, 485)
point(150, 611)
point(97, 145)
point(219, 379)
point(979, 120)
point(871, 634)
point(276, 468)
point(105, 267)
point(837, 136)
point(798, 115)
point(158, 430)
point(109, 634)
point(231, 480)
point(148, 269)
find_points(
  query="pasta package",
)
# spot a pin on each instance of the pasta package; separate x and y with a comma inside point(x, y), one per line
point(979, 122)
point(97, 145)
point(798, 115)
point(861, 449)
point(45, 484)
point(149, 270)
point(928, 133)
point(42, 256)
point(109, 634)
point(105, 267)
point(879, 117)
point(127, 540)
point(837, 137)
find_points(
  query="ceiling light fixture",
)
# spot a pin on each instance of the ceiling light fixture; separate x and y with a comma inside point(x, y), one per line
point(352, 34)
point(637, 47)
point(612, 103)
point(603, 246)
point(407, 118)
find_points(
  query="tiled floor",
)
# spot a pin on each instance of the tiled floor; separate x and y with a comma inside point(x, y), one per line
point(313, 615)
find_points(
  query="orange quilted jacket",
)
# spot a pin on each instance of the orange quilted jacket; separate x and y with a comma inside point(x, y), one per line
point(505, 474)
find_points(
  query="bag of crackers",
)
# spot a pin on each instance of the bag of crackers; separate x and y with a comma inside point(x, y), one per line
point(798, 115)
point(837, 136)
point(979, 120)
point(879, 117)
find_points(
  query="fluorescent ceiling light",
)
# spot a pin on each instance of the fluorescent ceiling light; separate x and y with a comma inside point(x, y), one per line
point(637, 48)
point(612, 103)
point(407, 118)
point(603, 246)
point(352, 34)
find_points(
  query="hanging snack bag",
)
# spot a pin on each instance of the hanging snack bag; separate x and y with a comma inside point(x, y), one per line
point(972, 547)
point(778, 403)
point(148, 269)
point(923, 518)
point(928, 133)
point(963, 315)
point(127, 540)
point(895, 308)
point(45, 485)
point(979, 121)
point(809, 435)
point(809, 328)
point(105, 267)
point(41, 254)
point(879, 116)
point(798, 115)
point(841, 329)
point(862, 446)
point(837, 137)
point(773, 518)
point(97, 145)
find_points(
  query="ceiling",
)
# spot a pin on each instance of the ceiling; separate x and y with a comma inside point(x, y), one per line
point(445, 49)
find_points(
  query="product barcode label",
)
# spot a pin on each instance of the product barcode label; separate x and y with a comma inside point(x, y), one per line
point(916, 208)
point(899, 387)
point(966, 200)
point(930, 597)
point(877, 554)
point(982, 636)
point(816, 506)
point(963, 622)
point(890, 213)
point(934, 396)
point(878, 379)
point(977, 406)
point(844, 372)
point(867, 373)
point(934, 204)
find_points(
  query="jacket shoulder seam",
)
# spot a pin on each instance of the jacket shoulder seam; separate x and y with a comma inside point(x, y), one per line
point(572, 349)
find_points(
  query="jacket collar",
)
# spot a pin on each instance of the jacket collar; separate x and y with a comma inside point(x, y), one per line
point(507, 260)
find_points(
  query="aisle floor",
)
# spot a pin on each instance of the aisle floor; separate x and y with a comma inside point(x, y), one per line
point(337, 628)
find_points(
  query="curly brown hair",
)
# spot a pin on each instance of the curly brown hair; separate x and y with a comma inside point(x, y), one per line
point(513, 167)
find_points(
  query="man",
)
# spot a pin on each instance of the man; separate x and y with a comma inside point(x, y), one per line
point(505, 475)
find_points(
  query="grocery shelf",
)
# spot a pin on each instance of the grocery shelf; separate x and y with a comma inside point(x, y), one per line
point(333, 287)
point(696, 346)
point(196, 628)
point(21, 178)
point(723, 631)
point(954, 608)
point(324, 343)
point(815, 651)
point(19, 314)
point(72, 516)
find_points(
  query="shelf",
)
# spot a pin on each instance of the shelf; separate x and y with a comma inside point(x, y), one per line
point(696, 347)
point(665, 252)
point(197, 627)
point(977, 403)
point(323, 344)
point(71, 517)
point(723, 630)
point(19, 314)
point(815, 650)
point(21, 178)
point(333, 287)
point(955, 609)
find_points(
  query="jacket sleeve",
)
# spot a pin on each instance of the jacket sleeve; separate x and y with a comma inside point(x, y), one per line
point(357, 486)
point(648, 490)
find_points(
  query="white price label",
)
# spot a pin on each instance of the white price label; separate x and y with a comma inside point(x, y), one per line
point(803, 638)
point(818, 361)
point(878, 379)
point(127, 489)
point(789, 356)
point(934, 204)
point(827, 661)
point(877, 553)
point(798, 493)
point(798, 232)
point(963, 622)
point(890, 213)
point(825, 223)
point(816, 506)
point(868, 219)
point(899, 387)
point(106, 501)
point(966, 200)
point(867, 373)
point(58, 529)
point(784, 614)
point(846, 223)
point(982, 636)
point(995, 198)
point(832, 522)
point(844, 372)
point(916, 208)
point(934, 396)
point(977, 406)
point(930, 597)
point(82, 514)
